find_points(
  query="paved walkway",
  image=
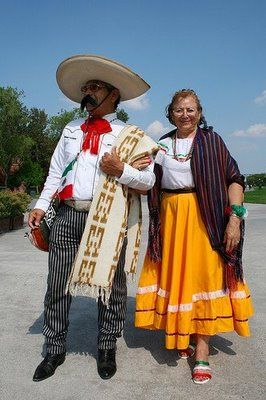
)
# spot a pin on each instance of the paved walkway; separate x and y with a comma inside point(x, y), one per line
point(145, 369)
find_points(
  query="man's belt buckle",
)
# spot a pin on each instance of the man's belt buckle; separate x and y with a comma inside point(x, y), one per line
point(79, 205)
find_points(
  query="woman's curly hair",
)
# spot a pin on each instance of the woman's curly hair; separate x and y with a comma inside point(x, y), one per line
point(182, 94)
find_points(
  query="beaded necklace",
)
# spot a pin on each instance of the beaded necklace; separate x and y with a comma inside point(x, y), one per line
point(112, 120)
point(182, 157)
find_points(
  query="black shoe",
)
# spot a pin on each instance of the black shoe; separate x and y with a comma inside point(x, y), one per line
point(48, 366)
point(106, 363)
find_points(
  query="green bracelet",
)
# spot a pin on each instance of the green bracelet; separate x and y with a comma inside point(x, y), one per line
point(239, 211)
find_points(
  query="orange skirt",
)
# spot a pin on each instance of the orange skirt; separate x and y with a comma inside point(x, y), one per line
point(184, 294)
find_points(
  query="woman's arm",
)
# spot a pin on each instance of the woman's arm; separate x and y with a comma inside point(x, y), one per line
point(232, 231)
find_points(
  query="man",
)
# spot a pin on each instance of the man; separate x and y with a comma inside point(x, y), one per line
point(84, 157)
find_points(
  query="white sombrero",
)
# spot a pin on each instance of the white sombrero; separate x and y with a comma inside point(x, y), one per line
point(75, 71)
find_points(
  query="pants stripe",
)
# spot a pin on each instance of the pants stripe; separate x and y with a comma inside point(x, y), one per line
point(111, 320)
point(65, 237)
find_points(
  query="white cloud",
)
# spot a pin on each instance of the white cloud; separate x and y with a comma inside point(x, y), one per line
point(140, 103)
point(156, 129)
point(256, 130)
point(261, 99)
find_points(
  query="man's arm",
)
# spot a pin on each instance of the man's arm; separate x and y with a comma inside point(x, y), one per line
point(50, 186)
point(127, 175)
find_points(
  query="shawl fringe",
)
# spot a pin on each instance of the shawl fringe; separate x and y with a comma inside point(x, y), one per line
point(154, 249)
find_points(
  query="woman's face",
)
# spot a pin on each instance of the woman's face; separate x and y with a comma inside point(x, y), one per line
point(185, 114)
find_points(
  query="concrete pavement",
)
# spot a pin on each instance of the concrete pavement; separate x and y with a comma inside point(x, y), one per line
point(146, 370)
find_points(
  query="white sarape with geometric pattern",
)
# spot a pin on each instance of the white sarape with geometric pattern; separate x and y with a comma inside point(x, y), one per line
point(113, 214)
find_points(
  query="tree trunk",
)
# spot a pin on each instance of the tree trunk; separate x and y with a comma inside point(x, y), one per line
point(5, 178)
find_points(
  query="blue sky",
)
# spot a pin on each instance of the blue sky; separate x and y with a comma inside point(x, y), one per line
point(217, 48)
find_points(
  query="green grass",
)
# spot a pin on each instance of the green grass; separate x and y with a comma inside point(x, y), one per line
point(257, 196)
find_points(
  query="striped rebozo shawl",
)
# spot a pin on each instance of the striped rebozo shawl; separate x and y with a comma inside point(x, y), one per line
point(213, 170)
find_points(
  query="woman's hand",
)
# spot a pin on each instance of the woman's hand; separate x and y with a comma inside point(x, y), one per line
point(141, 163)
point(232, 231)
point(232, 234)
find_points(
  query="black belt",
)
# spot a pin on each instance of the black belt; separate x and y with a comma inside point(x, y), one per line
point(177, 191)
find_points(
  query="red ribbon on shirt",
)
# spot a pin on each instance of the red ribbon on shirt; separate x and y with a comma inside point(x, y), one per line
point(93, 129)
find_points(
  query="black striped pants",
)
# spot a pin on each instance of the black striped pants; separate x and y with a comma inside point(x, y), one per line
point(65, 237)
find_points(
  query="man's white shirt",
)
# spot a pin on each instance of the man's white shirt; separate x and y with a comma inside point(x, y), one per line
point(86, 169)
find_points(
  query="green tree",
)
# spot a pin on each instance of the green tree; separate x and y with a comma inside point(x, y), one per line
point(44, 142)
point(256, 180)
point(122, 115)
point(15, 144)
point(28, 137)
point(31, 173)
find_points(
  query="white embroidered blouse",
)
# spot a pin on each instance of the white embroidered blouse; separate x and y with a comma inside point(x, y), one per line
point(176, 174)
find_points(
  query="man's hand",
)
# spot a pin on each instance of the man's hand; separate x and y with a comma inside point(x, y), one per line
point(35, 217)
point(111, 164)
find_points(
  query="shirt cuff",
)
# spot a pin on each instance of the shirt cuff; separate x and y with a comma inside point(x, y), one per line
point(42, 204)
point(128, 174)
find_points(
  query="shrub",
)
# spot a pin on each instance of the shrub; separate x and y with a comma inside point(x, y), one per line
point(13, 204)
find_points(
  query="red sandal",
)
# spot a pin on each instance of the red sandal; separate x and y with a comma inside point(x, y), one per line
point(201, 372)
point(188, 352)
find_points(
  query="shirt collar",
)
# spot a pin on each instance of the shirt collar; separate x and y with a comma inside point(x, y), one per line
point(110, 117)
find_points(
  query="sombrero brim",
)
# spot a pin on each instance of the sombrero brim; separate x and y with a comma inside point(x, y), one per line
point(75, 71)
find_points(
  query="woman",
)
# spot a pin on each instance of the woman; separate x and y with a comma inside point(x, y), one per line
point(192, 283)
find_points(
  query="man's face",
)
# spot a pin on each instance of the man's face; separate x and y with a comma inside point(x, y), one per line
point(98, 91)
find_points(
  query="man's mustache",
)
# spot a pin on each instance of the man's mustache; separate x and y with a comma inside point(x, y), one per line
point(87, 99)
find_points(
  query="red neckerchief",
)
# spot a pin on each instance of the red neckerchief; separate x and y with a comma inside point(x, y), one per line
point(93, 129)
